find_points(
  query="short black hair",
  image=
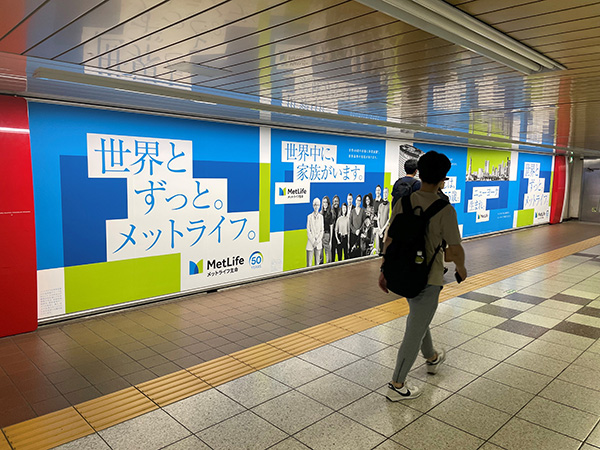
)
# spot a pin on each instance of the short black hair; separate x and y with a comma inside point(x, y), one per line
point(410, 166)
point(433, 167)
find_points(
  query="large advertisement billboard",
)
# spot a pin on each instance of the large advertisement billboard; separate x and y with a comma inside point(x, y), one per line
point(130, 206)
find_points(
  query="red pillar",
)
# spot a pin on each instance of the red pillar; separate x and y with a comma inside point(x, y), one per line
point(563, 131)
point(558, 188)
point(18, 270)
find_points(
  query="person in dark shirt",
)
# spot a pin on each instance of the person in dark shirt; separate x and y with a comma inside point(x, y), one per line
point(327, 226)
point(335, 213)
point(408, 184)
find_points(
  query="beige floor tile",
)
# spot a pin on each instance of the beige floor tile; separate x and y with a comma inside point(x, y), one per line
point(570, 394)
point(470, 416)
point(537, 363)
point(563, 419)
point(534, 319)
point(440, 319)
point(581, 376)
point(490, 446)
point(489, 349)
point(550, 312)
point(451, 310)
point(579, 293)
point(588, 447)
point(560, 306)
point(506, 338)
point(595, 348)
point(589, 359)
point(484, 319)
point(390, 445)
point(463, 303)
point(512, 304)
point(466, 326)
point(585, 320)
point(552, 350)
point(337, 431)
point(518, 377)
point(568, 339)
point(427, 433)
point(519, 434)
point(497, 395)
point(447, 337)
point(594, 438)
point(469, 362)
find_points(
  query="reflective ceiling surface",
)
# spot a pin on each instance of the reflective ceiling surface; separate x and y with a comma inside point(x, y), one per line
point(329, 64)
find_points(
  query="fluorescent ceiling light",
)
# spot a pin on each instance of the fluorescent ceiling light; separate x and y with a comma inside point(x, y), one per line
point(443, 20)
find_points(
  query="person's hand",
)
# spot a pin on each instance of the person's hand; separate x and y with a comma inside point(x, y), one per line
point(383, 283)
point(462, 271)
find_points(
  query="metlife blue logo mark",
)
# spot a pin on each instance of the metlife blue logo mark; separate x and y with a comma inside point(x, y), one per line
point(256, 260)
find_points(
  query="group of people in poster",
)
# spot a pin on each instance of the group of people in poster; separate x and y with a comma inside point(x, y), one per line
point(338, 230)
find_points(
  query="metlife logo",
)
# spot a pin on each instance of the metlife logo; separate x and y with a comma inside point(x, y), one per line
point(287, 193)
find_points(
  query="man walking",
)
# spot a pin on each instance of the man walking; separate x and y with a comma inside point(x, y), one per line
point(407, 184)
point(443, 226)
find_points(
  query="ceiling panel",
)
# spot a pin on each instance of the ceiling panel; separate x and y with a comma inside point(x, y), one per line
point(45, 22)
point(106, 16)
point(316, 57)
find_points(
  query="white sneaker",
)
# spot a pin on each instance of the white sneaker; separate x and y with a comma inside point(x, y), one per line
point(404, 393)
point(433, 367)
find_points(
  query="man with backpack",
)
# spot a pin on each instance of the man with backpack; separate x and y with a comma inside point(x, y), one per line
point(413, 266)
point(406, 185)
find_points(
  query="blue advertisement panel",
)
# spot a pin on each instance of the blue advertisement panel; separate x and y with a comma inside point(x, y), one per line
point(131, 206)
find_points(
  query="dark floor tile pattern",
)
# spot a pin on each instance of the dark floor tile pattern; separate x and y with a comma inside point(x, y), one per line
point(500, 311)
point(66, 363)
point(578, 329)
point(588, 311)
point(571, 299)
point(526, 298)
point(484, 298)
point(525, 329)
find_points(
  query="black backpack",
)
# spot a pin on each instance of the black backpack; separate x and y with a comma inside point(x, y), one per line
point(402, 188)
point(406, 268)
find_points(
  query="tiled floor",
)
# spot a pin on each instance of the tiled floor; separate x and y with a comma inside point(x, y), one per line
point(523, 354)
point(521, 374)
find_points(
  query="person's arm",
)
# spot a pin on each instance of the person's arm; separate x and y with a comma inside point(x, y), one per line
point(337, 230)
point(456, 254)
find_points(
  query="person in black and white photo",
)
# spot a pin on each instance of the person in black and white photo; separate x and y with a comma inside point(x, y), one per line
point(342, 229)
point(314, 231)
point(357, 217)
point(327, 227)
point(383, 219)
point(335, 213)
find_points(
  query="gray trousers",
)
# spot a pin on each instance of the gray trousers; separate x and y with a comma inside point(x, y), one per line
point(417, 335)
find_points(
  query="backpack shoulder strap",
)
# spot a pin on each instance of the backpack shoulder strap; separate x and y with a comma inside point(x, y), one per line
point(435, 208)
point(406, 205)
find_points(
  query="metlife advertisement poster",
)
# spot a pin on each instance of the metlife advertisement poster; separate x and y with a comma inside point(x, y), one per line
point(130, 206)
